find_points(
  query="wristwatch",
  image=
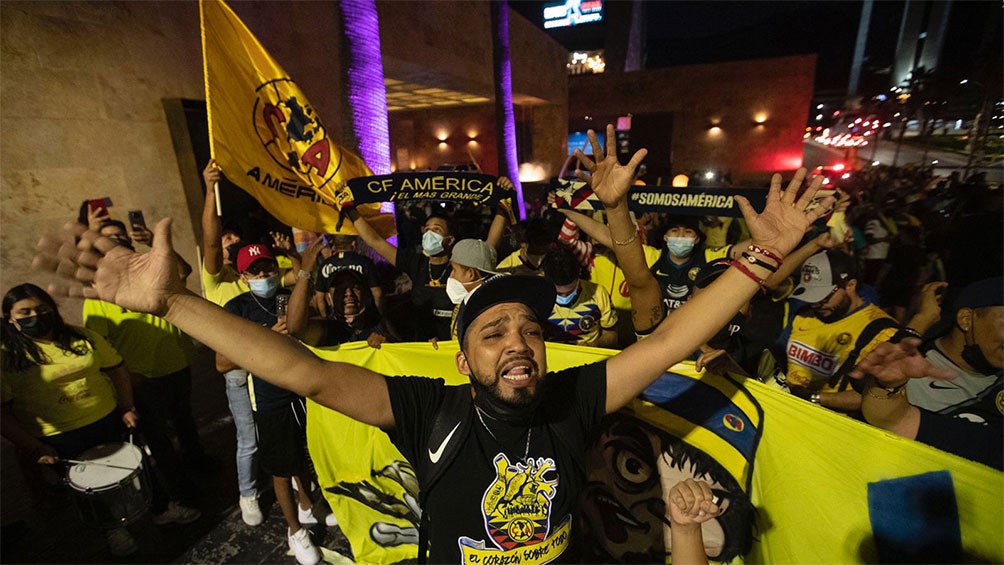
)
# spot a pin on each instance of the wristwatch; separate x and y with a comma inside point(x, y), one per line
point(814, 398)
point(303, 274)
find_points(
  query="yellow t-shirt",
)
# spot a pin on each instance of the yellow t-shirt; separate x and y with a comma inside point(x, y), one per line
point(151, 346)
point(223, 286)
point(581, 321)
point(607, 274)
point(817, 350)
point(66, 394)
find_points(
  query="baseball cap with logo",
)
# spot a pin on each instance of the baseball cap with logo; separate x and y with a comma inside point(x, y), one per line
point(822, 272)
point(251, 253)
point(476, 254)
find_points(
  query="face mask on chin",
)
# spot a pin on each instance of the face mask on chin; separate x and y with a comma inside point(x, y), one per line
point(973, 356)
point(518, 410)
point(432, 243)
point(567, 299)
point(266, 287)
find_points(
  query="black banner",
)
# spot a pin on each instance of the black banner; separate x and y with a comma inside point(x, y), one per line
point(690, 201)
point(430, 185)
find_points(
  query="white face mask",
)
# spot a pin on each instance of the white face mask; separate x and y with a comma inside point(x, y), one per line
point(456, 290)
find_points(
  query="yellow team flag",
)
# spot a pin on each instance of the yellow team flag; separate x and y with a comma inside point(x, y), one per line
point(266, 136)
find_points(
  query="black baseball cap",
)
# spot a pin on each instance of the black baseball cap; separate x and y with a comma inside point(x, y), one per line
point(535, 292)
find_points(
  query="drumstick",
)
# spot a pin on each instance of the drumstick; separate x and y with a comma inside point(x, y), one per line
point(99, 464)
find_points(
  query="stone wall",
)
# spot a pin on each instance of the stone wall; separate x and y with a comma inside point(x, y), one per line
point(82, 117)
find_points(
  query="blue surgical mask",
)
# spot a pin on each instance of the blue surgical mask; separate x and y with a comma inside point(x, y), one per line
point(680, 246)
point(567, 299)
point(266, 287)
point(432, 243)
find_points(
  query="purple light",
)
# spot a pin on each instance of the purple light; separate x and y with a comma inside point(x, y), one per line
point(367, 94)
point(503, 90)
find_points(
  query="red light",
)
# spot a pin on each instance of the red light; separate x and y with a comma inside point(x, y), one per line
point(839, 167)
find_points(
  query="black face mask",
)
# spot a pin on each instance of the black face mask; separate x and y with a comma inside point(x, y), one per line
point(973, 356)
point(232, 251)
point(39, 325)
point(490, 403)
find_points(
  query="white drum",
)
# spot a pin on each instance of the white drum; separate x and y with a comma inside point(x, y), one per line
point(110, 485)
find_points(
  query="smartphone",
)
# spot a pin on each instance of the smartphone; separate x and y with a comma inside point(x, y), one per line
point(136, 218)
point(100, 204)
point(280, 305)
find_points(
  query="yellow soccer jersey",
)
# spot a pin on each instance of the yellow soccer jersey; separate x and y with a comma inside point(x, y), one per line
point(817, 350)
point(66, 394)
point(608, 275)
point(151, 346)
point(514, 265)
point(580, 322)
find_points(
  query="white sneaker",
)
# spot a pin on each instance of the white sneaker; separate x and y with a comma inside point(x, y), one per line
point(307, 517)
point(303, 548)
point(250, 512)
point(121, 542)
point(177, 514)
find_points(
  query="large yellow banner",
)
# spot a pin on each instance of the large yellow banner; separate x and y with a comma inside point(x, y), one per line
point(267, 137)
point(810, 484)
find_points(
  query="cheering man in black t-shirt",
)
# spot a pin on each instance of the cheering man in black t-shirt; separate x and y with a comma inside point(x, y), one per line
point(516, 471)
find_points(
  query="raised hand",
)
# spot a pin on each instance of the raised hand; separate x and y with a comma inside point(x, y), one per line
point(893, 364)
point(103, 269)
point(96, 218)
point(787, 215)
point(309, 260)
point(211, 174)
point(608, 178)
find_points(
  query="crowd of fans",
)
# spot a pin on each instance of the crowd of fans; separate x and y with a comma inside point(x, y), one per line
point(890, 311)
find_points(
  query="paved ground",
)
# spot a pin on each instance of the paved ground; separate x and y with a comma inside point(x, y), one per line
point(46, 529)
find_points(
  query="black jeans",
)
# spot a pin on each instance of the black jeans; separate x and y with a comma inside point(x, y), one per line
point(165, 404)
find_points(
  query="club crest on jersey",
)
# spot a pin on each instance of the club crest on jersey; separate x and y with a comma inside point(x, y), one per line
point(292, 133)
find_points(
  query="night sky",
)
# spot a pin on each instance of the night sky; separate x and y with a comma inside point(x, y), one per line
point(680, 33)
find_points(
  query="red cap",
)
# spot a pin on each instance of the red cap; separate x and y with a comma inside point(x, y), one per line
point(251, 253)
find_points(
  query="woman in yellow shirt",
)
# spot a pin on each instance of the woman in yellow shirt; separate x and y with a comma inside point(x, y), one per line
point(56, 402)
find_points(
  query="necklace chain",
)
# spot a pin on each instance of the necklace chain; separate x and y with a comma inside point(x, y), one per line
point(437, 281)
point(529, 431)
point(267, 311)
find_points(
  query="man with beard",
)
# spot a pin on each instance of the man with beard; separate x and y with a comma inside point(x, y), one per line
point(510, 490)
point(830, 334)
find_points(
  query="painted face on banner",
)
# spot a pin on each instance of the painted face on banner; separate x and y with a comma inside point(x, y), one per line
point(292, 133)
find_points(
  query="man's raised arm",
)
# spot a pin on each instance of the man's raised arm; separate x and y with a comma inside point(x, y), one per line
point(149, 283)
point(622, 236)
point(775, 232)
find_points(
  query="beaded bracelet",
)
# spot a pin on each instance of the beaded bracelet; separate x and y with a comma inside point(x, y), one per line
point(745, 270)
point(766, 253)
point(754, 261)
